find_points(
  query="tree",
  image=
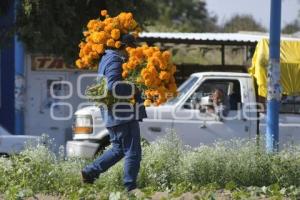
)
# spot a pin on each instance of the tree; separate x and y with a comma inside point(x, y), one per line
point(4, 6)
point(55, 27)
point(6, 23)
point(183, 16)
point(242, 23)
point(292, 27)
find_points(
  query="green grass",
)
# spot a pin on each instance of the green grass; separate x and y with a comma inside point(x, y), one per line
point(241, 167)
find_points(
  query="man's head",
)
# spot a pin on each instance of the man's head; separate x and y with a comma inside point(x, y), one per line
point(128, 40)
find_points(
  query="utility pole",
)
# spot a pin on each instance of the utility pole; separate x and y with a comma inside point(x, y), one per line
point(274, 88)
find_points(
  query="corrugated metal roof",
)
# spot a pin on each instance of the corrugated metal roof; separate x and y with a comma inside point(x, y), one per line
point(217, 37)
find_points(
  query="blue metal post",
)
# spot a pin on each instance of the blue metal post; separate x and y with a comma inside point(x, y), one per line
point(19, 87)
point(274, 89)
point(19, 83)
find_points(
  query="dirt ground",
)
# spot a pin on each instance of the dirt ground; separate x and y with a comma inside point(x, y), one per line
point(218, 195)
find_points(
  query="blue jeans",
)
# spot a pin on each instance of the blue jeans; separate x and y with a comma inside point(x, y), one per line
point(126, 142)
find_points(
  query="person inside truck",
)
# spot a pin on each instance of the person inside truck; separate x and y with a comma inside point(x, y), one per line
point(121, 121)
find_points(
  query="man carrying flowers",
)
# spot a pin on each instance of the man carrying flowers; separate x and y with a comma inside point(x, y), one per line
point(121, 120)
point(129, 71)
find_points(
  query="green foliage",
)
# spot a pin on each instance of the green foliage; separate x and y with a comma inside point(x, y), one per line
point(235, 161)
point(55, 27)
point(241, 167)
point(242, 23)
point(292, 27)
point(160, 164)
point(182, 16)
point(4, 7)
point(38, 171)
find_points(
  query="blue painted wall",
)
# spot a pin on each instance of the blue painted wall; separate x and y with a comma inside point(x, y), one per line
point(7, 73)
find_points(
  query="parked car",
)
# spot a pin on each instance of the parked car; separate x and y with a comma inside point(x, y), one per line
point(187, 116)
point(13, 144)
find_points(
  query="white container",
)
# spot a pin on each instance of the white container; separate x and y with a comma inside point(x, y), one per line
point(83, 149)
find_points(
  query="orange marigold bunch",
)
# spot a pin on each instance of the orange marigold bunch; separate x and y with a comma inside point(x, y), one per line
point(104, 33)
point(152, 71)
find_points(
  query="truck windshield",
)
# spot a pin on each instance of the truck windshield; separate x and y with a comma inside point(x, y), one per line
point(182, 90)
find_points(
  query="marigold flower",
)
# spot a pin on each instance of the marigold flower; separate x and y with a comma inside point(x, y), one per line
point(152, 70)
point(129, 16)
point(154, 61)
point(91, 23)
point(157, 55)
point(147, 67)
point(124, 74)
point(79, 63)
point(148, 82)
point(81, 54)
point(110, 43)
point(166, 55)
point(95, 55)
point(98, 37)
point(99, 48)
point(124, 66)
point(118, 44)
point(108, 21)
point(103, 13)
point(81, 44)
point(108, 28)
point(86, 50)
point(162, 65)
point(163, 75)
point(115, 34)
point(128, 49)
point(86, 33)
point(147, 102)
point(157, 82)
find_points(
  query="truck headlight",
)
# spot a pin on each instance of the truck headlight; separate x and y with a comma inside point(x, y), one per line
point(83, 124)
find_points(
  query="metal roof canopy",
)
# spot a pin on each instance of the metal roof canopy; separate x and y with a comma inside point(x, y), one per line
point(242, 38)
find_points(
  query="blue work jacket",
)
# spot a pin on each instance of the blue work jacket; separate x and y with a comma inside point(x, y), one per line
point(110, 67)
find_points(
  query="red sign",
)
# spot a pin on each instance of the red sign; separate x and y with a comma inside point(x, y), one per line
point(50, 63)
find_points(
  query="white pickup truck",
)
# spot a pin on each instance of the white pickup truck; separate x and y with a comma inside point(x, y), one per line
point(185, 115)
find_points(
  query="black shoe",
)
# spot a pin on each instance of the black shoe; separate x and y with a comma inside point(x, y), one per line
point(86, 178)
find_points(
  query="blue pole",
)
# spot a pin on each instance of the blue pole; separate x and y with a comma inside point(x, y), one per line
point(19, 87)
point(274, 88)
point(19, 82)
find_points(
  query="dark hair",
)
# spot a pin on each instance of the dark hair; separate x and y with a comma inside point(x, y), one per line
point(218, 89)
point(128, 40)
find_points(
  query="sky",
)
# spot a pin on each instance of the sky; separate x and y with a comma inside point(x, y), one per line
point(259, 9)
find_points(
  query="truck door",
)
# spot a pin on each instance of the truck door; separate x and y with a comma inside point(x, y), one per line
point(289, 121)
point(159, 119)
point(195, 123)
